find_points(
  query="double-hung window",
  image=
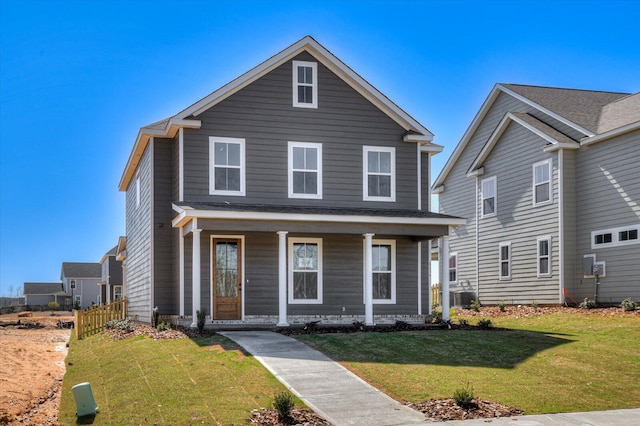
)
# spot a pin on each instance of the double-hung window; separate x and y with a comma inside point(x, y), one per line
point(489, 196)
point(305, 84)
point(542, 183)
point(305, 170)
point(505, 260)
point(227, 166)
point(544, 256)
point(383, 255)
point(305, 270)
point(453, 268)
point(379, 173)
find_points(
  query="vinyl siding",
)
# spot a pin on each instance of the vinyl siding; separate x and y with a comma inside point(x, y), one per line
point(601, 204)
point(262, 114)
point(571, 266)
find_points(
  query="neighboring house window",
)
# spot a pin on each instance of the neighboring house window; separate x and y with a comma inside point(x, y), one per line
point(544, 256)
point(305, 170)
point(305, 270)
point(615, 236)
point(542, 183)
point(383, 265)
point(505, 261)
point(117, 292)
point(138, 190)
point(379, 173)
point(489, 196)
point(305, 84)
point(227, 166)
point(453, 268)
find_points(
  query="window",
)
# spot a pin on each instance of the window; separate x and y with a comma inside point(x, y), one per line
point(117, 292)
point(542, 183)
point(489, 196)
point(453, 268)
point(226, 173)
point(379, 173)
point(544, 256)
point(615, 237)
point(305, 270)
point(137, 190)
point(505, 261)
point(305, 170)
point(305, 84)
point(383, 256)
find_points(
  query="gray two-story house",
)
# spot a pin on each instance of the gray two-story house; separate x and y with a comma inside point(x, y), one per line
point(111, 282)
point(296, 192)
point(547, 179)
point(80, 282)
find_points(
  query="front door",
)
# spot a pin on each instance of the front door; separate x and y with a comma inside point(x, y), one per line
point(227, 279)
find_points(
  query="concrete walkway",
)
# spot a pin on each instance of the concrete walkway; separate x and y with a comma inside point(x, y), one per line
point(343, 398)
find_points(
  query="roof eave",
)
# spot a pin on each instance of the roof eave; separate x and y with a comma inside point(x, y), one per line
point(610, 134)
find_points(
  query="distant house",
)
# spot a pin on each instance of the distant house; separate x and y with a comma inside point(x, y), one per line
point(547, 179)
point(80, 283)
point(40, 294)
point(111, 282)
point(296, 192)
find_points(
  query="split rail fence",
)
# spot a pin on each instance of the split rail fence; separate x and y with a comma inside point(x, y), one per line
point(93, 320)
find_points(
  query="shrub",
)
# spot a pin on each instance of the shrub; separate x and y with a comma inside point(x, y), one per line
point(283, 403)
point(475, 305)
point(436, 316)
point(464, 397)
point(202, 316)
point(155, 316)
point(76, 305)
point(123, 325)
point(501, 305)
point(628, 304)
point(587, 303)
point(463, 322)
point(163, 326)
point(485, 323)
point(534, 305)
point(54, 306)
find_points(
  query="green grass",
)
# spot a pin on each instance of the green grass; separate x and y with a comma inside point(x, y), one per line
point(167, 382)
point(543, 364)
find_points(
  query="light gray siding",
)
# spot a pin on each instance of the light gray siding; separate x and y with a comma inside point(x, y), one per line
point(569, 259)
point(608, 196)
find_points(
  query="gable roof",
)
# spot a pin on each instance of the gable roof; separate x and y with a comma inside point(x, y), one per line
point(561, 104)
point(42, 288)
point(111, 252)
point(416, 132)
point(81, 270)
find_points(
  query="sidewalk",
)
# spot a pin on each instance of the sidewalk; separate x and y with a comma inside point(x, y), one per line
point(343, 398)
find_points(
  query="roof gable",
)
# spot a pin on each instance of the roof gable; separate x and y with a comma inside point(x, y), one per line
point(416, 132)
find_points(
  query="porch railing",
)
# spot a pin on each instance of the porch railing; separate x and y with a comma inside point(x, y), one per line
point(93, 320)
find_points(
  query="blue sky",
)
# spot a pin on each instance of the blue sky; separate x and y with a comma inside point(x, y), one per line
point(79, 78)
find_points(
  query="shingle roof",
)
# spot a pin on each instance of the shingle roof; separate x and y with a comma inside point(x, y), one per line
point(620, 113)
point(582, 107)
point(43, 288)
point(81, 270)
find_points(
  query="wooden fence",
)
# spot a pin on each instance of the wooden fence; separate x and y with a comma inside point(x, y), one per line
point(436, 295)
point(93, 320)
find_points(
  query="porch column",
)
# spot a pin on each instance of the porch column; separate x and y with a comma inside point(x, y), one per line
point(108, 287)
point(196, 277)
point(445, 278)
point(368, 279)
point(181, 269)
point(282, 279)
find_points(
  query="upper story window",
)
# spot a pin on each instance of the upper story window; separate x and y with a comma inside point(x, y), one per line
point(505, 261)
point(305, 84)
point(542, 183)
point(226, 166)
point(544, 256)
point(615, 237)
point(305, 270)
point(453, 268)
point(489, 196)
point(138, 190)
point(305, 170)
point(379, 173)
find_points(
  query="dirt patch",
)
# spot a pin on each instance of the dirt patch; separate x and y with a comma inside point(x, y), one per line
point(33, 354)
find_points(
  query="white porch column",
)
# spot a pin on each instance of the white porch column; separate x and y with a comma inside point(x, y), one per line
point(445, 278)
point(108, 287)
point(181, 268)
point(195, 265)
point(368, 279)
point(282, 279)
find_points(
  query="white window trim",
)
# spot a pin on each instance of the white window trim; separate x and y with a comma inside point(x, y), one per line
point(318, 147)
point(365, 181)
point(375, 242)
point(291, 242)
point(137, 190)
point(212, 180)
point(314, 85)
point(615, 237)
point(495, 196)
point(500, 260)
point(549, 256)
point(550, 166)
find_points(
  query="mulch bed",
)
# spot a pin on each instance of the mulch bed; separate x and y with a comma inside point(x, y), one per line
point(447, 409)
point(521, 311)
point(299, 417)
point(146, 330)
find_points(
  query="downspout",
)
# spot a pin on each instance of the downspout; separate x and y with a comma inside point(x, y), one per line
point(477, 191)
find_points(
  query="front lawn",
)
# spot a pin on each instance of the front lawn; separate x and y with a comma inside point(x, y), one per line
point(559, 362)
point(169, 382)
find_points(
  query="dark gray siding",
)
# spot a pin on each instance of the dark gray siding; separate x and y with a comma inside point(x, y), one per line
point(263, 114)
point(425, 187)
point(115, 271)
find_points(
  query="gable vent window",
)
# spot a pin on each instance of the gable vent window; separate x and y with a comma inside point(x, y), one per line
point(305, 84)
point(615, 237)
